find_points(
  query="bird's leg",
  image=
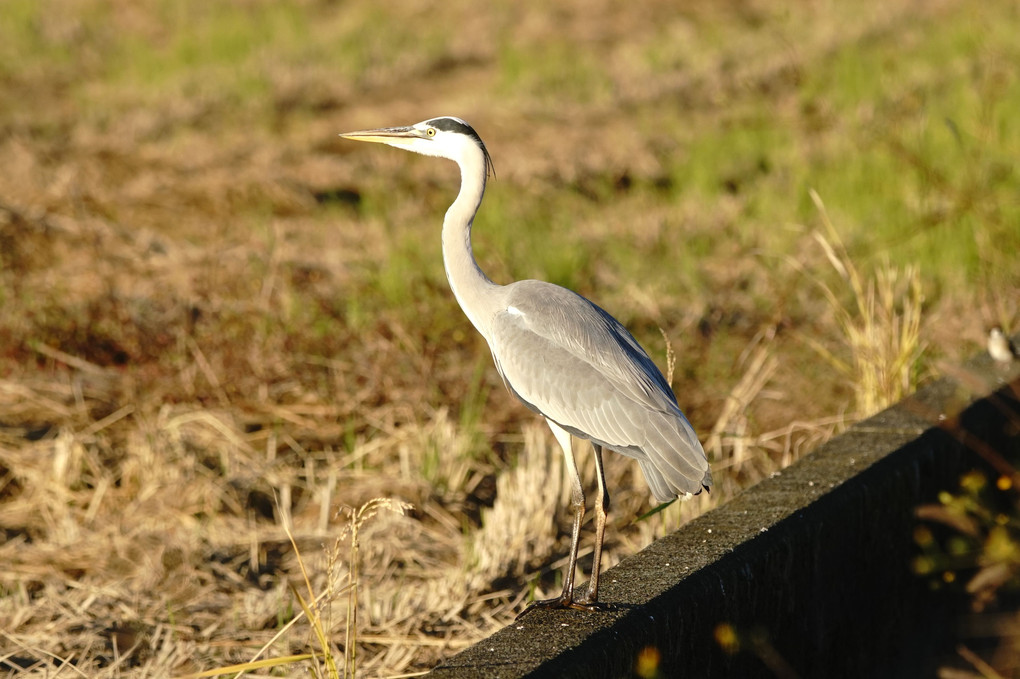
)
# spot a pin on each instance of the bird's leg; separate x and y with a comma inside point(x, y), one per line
point(577, 504)
point(566, 598)
point(591, 599)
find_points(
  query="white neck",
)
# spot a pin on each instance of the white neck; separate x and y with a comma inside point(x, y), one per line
point(472, 288)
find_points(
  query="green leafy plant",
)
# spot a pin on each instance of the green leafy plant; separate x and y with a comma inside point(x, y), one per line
point(983, 543)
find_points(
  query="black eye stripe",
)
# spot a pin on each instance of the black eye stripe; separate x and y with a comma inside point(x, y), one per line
point(454, 125)
point(457, 125)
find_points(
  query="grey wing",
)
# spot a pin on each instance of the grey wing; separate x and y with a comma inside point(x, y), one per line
point(569, 360)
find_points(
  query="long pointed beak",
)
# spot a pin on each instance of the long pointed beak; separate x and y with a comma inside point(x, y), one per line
point(394, 136)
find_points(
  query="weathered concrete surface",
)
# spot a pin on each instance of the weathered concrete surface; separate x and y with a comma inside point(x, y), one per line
point(816, 561)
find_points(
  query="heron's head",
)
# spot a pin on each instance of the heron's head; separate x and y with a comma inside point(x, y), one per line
point(445, 137)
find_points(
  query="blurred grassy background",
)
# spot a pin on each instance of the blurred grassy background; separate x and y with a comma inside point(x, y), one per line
point(206, 297)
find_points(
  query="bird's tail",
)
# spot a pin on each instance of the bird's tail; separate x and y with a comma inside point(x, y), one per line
point(675, 462)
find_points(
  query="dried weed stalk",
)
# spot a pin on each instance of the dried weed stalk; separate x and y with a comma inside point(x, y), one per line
point(356, 520)
point(882, 329)
point(729, 443)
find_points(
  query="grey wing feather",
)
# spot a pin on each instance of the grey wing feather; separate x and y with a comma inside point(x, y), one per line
point(569, 360)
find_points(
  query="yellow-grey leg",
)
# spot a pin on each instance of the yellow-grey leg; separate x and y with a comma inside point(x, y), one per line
point(601, 512)
point(566, 598)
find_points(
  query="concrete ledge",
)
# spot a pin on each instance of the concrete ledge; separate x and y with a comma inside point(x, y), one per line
point(815, 561)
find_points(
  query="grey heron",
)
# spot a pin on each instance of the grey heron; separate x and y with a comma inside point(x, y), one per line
point(561, 355)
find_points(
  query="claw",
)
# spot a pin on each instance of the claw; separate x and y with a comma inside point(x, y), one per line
point(585, 605)
point(564, 602)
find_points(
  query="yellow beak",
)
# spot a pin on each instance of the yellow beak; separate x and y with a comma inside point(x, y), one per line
point(394, 136)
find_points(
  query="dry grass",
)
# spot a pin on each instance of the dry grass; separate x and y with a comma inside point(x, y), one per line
point(180, 511)
point(520, 531)
point(881, 327)
point(168, 540)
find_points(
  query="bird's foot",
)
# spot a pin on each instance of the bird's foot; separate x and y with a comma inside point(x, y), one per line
point(565, 601)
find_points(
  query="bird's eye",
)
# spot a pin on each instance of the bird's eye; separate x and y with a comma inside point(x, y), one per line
point(431, 132)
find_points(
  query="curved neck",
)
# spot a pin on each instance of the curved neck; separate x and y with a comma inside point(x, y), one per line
point(470, 286)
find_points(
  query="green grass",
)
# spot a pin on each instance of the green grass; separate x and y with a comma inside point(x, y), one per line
point(205, 37)
point(928, 149)
point(923, 124)
point(533, 72)
point(235, 53)
point(25, 46)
